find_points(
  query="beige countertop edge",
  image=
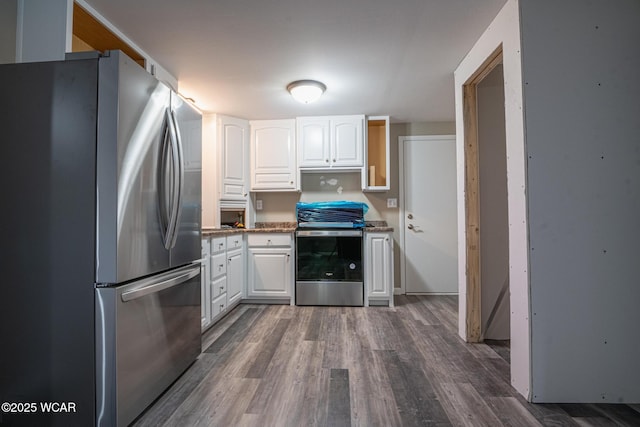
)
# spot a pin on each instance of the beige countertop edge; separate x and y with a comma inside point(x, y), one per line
point(225, 231)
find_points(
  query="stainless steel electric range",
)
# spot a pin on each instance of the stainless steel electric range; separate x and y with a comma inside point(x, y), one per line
point(329, 267)
point(329, 252)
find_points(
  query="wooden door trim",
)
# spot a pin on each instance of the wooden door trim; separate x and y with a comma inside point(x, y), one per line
point(472, 196)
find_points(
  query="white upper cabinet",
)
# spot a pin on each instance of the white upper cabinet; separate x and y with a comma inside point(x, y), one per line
point(347, 142)
point(330, 142)
point(233, 142)
point(273, 155)
point(313, 141)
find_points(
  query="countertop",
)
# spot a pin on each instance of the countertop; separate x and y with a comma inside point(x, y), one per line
point(286, 227)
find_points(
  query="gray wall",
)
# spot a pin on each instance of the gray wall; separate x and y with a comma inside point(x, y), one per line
point(581, 63)
point(281, 206)
point(8, 15)
point(43, 30)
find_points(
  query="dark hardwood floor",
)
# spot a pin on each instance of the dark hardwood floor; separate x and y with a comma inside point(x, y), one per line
point(277, 365)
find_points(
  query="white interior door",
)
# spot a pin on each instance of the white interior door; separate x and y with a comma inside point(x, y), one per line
point(429, 214)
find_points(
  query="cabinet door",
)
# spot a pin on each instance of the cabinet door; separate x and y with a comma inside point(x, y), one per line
point(270, 272)
point(313, 141)
point(234, 158)
point(273, 155)
point(379, 259)
point(235, 276)
point(347, 142)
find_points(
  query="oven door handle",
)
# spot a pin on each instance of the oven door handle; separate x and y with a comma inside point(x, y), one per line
point(329, 233)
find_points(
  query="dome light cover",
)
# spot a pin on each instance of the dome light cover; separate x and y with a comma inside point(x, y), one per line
point(306, 91)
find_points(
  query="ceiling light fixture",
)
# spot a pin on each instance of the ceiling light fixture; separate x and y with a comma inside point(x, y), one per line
point(306, 91)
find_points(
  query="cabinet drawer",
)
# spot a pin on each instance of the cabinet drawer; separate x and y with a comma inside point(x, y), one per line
point(219, 244)
point(234, 241)
point(218, 305)
point(269, 239)
point(218, 265)
point(219, 286)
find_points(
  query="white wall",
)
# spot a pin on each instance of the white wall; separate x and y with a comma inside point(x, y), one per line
point(581, 63)
point(209, 172)
point(494, 221)
point(504, 31)
point(8, 15)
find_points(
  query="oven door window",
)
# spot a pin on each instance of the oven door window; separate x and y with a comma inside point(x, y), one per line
point(332, 258)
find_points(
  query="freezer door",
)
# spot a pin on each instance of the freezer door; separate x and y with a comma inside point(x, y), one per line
point(133, 135)
point(188, 121)
point(147, 334)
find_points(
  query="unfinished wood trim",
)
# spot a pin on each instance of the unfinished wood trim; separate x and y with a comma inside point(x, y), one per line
point(486, 67)
point(472, 196)
point(472, 214)
point(92, 32)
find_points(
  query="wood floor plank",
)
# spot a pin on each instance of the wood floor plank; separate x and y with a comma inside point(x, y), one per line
point(213, 333)
point(465, 406)
point(282, 402)
point(372, 399)
point(620, 414)
point(412, 306)
point(635, 407)
point(316, 391)
point(594, 422)
point(214, 387)
point(179, 391)
point(269, 365)
point(547, 414)
point(315, 325)
point(236, 332)
point(415, 398)
point(269, 348)
point(511, 413)
point(218, 407)
point(339, 411)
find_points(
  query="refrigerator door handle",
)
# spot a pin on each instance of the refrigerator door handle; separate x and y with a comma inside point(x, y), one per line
point(179, 187)
point(154, 287)
point(170, 236)
point(163, 197)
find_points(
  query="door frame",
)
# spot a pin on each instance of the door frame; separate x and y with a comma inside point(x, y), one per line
point(401, 196)
point(472, 196)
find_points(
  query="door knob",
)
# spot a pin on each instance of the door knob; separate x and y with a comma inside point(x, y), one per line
point(410, 216)
point(410, 226)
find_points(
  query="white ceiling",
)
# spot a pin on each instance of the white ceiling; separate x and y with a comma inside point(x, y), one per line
point(236, 57)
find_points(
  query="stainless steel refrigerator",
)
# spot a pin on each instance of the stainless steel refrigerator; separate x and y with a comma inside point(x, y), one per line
point(101, 219)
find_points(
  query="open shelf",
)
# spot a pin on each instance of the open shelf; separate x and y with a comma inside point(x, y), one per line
point(377, 153)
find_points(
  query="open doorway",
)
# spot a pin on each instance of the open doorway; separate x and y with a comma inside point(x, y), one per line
point(486, 202)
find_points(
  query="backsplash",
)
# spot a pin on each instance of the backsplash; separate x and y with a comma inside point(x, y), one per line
point(316, 187)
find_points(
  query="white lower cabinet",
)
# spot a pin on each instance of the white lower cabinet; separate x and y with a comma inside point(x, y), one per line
point(223, 282)
point(270, 266)
point(235, 275)
point(378, 277)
